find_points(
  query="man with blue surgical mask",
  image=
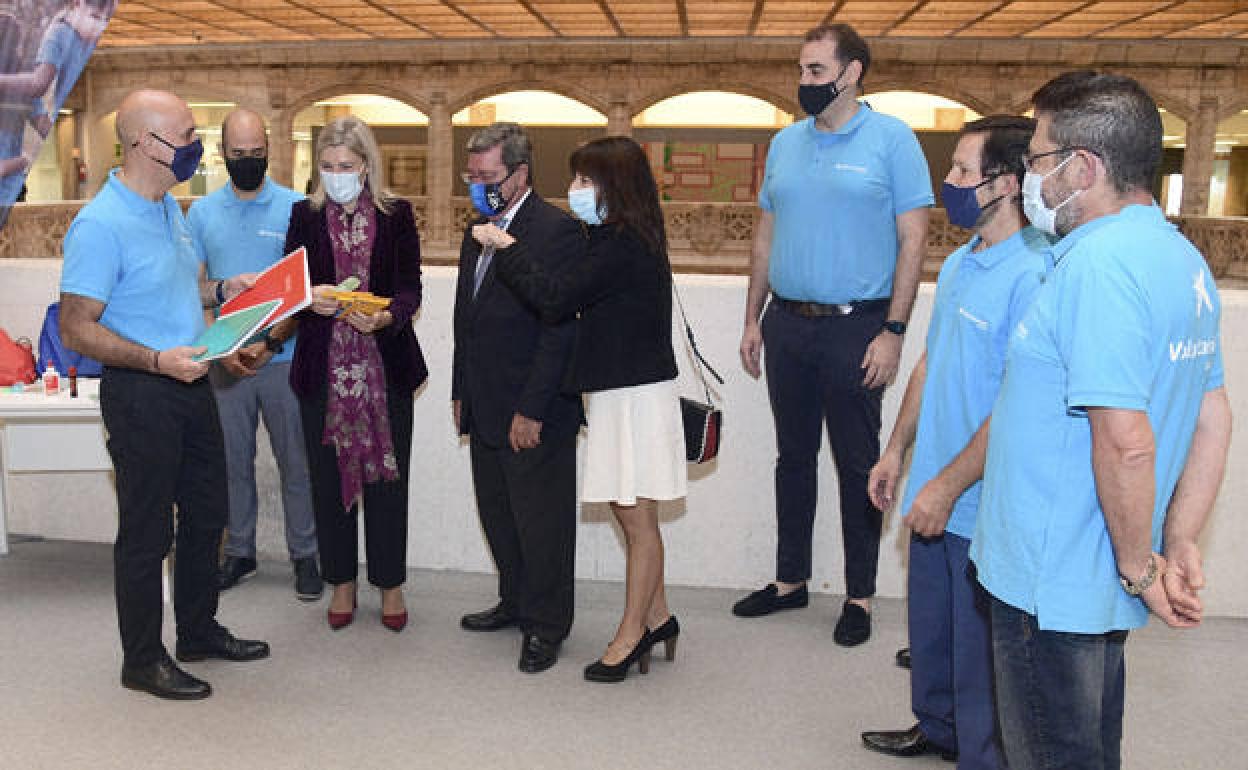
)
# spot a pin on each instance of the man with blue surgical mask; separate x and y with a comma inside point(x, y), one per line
point(506, 398)
point(133, 298)
point(1108, 440)
point(837, 253)
point(983, 290)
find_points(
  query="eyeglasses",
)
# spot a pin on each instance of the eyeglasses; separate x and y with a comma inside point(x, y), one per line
point(1029, 161)
point(485, 178)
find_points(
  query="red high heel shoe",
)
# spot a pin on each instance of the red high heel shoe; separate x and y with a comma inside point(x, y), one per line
point(340, 620)
point(395, 623)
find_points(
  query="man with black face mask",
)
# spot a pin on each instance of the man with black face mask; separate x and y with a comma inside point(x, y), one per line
point(838, 247)
point(242, 228)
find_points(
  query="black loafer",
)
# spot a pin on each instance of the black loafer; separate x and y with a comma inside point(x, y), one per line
point(164, 680)
point(494, 619)
point(854, 627)
point(905, 743)
point(537, 654)
point(767, 600)
point(903, 658)
point(224, 646)
point(234, 570)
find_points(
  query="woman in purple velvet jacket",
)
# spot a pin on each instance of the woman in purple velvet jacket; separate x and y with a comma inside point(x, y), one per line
point(355, 373)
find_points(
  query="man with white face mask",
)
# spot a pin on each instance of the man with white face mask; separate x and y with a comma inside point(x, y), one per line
point(1108, 441)
point(983, 290)
point(506, 398)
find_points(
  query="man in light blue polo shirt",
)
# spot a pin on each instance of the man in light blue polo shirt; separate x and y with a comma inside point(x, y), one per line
point(241, 228)
point(983, 289)
point(131, 298)
point(838, 247)
point(1108, 440)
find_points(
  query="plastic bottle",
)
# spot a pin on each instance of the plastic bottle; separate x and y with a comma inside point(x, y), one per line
point(51, 381)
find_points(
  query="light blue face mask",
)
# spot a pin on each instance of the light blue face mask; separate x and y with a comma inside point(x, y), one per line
point(584, 203)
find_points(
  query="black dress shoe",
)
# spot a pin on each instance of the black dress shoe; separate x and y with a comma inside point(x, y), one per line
point(854, 627)
point(234, 570)
point(903, 658)
point(768, 600)
point(308, 583)
point(164, 680)
point(225, 646)
point(537, 654)
point(493, 619)
point(905, 743)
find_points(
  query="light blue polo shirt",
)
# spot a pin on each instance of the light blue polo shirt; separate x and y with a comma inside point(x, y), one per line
point(243, 236)
point(980, 297)
point(137, 257)
point(1127, 320)
point(835, 196)
point(63, 49)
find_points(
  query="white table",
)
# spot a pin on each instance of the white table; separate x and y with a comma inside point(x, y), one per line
point(49, 434)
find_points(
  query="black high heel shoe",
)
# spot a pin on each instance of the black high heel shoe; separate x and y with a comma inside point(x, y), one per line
point(602, 672)
point(669, 634)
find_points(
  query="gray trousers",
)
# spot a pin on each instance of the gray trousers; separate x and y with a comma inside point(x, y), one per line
point(241, 403)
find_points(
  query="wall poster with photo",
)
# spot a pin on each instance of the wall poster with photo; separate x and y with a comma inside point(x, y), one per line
point(405, 168)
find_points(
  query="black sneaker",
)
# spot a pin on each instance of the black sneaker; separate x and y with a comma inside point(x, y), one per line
point(768, 600)
point(308, 583)
point(854, 627)
point(234, 570)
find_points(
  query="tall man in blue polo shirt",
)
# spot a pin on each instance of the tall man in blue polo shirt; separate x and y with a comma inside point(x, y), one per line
point(241, 228)
point(839, 246)
point(131, 297)
point(983, 289)
point(1108, 440)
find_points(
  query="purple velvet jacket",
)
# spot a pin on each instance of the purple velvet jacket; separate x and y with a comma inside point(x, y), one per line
point(395, 271)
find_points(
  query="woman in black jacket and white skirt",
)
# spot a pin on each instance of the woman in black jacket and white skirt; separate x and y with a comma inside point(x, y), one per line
point(624, 364)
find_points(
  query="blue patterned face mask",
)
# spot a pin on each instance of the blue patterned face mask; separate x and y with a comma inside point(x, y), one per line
point(185, 158)
point(488, 198)
point(962, 206)
point(584, 203)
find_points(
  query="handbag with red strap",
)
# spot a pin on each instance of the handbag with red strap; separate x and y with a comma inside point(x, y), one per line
point(17, 360)
point(703, 421)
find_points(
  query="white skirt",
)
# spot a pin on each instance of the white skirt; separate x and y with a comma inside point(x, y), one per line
point(635, 446)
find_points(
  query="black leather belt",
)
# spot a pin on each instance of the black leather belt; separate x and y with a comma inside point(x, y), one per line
point(820, 310)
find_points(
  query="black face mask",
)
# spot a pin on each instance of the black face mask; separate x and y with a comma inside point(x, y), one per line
point(816, 98)
point(247, 174)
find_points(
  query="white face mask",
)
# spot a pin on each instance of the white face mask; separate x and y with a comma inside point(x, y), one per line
point(342, 188)
point(1039, 214)
point(584, 203)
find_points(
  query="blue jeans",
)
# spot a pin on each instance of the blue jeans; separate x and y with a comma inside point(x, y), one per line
point(951, 652)
point(1059, 694)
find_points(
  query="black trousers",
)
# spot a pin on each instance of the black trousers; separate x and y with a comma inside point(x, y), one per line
point(527, 503)
point(814, 376)
point(165, 441)
point(385, 502)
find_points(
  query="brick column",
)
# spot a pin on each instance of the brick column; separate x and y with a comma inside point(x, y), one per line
point(439, 170)
point(1198, 159)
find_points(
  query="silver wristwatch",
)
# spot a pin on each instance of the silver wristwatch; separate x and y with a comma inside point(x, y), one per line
point(1137, 587)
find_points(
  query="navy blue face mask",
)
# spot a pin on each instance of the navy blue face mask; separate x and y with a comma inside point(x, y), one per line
point(488, 198)
point(962, 206)
point(185, 158)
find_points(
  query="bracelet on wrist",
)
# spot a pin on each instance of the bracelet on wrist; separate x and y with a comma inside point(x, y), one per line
point(156, 361)
point(220, 293)
point(1141, 584)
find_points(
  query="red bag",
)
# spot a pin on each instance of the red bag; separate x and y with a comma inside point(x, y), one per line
point(17, 360)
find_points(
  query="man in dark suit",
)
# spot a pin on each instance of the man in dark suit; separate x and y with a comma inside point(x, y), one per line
point(506, 398)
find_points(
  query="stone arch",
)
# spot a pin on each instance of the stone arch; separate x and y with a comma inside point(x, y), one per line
point(943, 90)
point(302, 101)
point(245, 96)
point(576, 93)
point(668, 90)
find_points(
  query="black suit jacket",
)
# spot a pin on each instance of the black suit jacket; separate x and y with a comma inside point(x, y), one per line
point(506, 360)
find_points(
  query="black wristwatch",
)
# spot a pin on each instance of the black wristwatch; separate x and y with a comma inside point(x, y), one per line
point(896, 327)
point(274, 346)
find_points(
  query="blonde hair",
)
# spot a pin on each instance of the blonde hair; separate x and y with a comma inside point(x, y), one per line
point(355, 135)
